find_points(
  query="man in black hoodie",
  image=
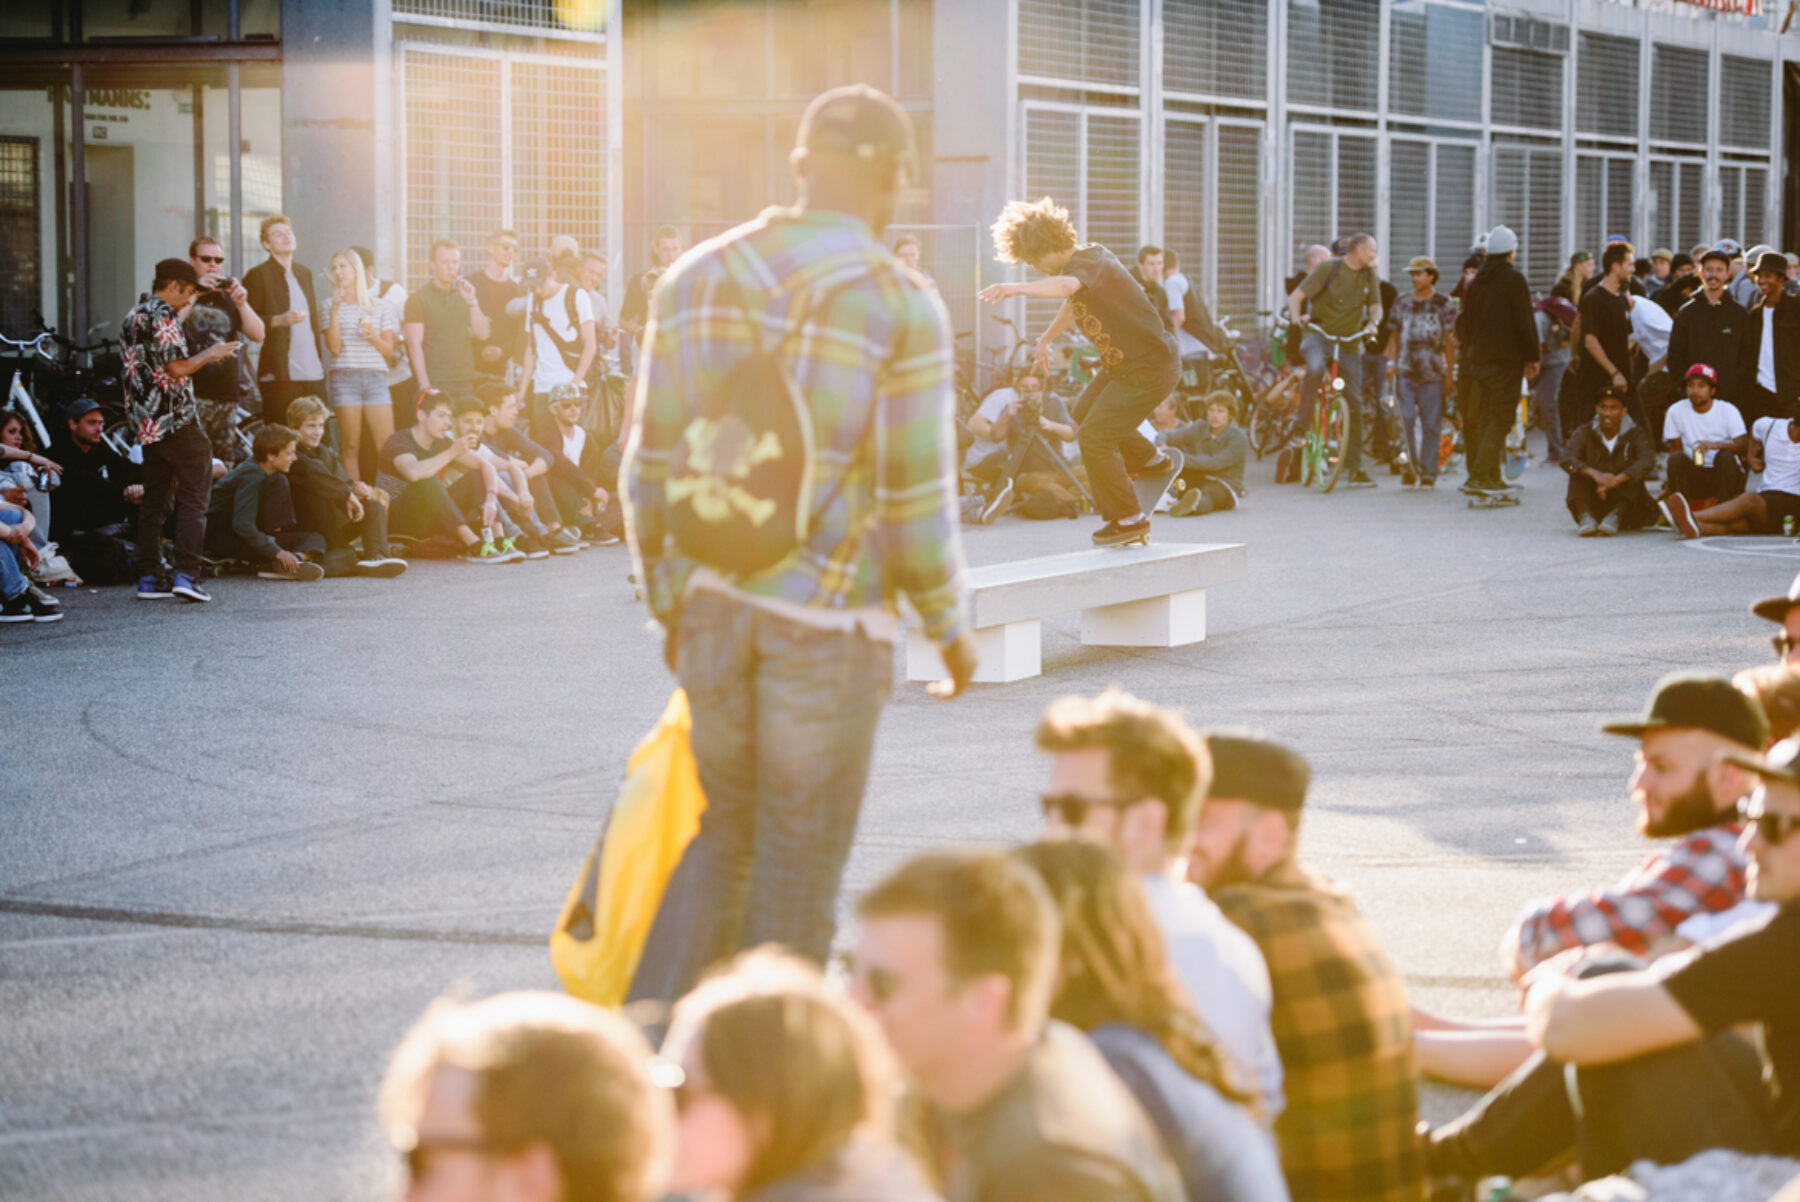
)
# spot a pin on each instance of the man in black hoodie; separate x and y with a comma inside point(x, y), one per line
point(1498, 335)
point(1770, 369)
point(1711, 328)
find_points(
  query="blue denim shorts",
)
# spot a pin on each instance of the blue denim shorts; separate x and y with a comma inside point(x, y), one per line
point(358, 388)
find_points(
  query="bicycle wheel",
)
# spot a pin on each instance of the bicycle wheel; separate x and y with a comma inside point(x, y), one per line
point(1335, 437)
point(1263, 426)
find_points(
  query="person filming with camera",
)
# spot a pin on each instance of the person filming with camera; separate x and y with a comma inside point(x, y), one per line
point(1020, 429)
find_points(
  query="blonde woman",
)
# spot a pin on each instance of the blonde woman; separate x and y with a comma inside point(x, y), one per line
point(360, 332)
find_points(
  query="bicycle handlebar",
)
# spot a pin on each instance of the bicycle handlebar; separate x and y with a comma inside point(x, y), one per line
point(36, 345)
point(1313, 328)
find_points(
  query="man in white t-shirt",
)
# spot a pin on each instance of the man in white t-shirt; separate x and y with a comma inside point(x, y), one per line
point(1132, 775)
point(560, 343)
point(1773, 448)
point(1704, 438)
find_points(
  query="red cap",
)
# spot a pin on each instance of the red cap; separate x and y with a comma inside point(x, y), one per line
point(1705, 372)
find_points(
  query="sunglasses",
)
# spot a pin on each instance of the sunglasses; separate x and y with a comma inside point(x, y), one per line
point(210, 258)
point(418, 1157)
point(1073, 810)
point(1770, 827)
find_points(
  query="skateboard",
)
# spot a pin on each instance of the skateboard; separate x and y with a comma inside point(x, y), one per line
point(1150, 491)
point(1493, 499)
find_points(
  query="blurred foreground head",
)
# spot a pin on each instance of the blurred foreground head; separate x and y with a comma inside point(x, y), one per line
point(854, 153)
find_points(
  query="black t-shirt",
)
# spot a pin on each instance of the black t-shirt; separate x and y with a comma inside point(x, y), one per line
point(400, 444)
point(511, 442)
point(213, 319)
point(1751, 974)
point(636, 308)
point(1604, 315)
point(505, 332)
point(1158, 298)
point(1113, 309)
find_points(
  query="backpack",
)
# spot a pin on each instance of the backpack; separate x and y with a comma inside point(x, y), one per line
point(741, 477)
point(568, 348)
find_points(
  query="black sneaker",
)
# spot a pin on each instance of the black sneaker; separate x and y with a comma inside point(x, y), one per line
point(43, 597)
point(1114, 534)
point(1358, 480)
point(27, 608)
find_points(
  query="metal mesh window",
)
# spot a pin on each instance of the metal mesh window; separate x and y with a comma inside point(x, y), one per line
point(1053, 168)
point(1527, 89)
point(1185, 195)
point(1526, 184)
point(1453, 189)
point(1216, 47)
point(563, 17)
point(1679, 94)
point(1606, 86)
point(559, 166)
point(1409, 203)
point(1334, 48)
point(1674, 202)
point(1742, 192)
point(1356, 186)
point(823, 44)
point(1743, 102)
point(1240, 218)
point(1092, 41)
point(1602, 200)
point(1334, 187)
point(21, 234)
point(1112, 183)
point(1311, 176)
point(1435, 62)
point(453, 122)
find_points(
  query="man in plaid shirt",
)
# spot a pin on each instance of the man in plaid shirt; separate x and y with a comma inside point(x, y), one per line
point(786, 671)
point(1340, 1015)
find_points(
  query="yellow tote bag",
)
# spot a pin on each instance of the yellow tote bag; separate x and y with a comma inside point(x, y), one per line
point(606, 919)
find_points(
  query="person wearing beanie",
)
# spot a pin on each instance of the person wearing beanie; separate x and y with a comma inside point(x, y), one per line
point(1497, 334)
point(1340, 1016)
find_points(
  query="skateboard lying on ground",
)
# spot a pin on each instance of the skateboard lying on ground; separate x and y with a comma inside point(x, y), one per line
point(1150, 492)
point(1493, 498)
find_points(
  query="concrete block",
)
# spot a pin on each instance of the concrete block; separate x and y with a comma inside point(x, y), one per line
point(1004, 654)
point(1172, 621)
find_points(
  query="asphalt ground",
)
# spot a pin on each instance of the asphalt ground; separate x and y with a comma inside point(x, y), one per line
point(245, 844)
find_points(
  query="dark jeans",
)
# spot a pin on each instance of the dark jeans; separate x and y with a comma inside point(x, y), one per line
point(1421, 401)
point(336, 527)
point(1722, 481)
point(1547, 392)
point(427, 508)
point(1632, 500)
point(1493, 407)
point(1317, 353)
point(1107, 417)
point(177, 472)
point(1218, 495)
point(275, 518)
point(784, 723)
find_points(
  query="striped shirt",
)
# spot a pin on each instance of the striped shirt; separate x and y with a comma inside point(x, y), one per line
point(872, 353)
point(359, 353)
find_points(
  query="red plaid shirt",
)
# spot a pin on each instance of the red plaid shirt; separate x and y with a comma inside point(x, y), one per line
point(1701, 873)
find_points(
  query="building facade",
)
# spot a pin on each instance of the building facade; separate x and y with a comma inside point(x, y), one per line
point(1236, 131)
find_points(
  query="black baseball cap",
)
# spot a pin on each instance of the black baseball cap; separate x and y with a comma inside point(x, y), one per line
point(1251, 766)
point(181, 270)
point(1717, 252)
point(1694, 701)
point(1775, 609)
point(1782, 763)
point(862, 123)
point(537, 272)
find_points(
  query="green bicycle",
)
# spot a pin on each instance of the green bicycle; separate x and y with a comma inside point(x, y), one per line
point(1322, 449)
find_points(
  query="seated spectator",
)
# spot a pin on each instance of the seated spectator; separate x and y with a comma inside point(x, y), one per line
point(22, 459)
point(1115, 983)
point(329, 503)
point(1773, 450)
point(1131, 775)
point(1213, 455)
point(18, 600)
point(1706, 441)
point(574, 448)
point(1021, 446)
point(956, 958)
point(1645, 1063)
point(534, 465)
point(515, 523)
point(412, 468)
point(94, 520)
point(1341, 1020)
point(787, 1092)
point(251, 515)
point(526, 1095)
point(1608, 461)
point(1683, 791)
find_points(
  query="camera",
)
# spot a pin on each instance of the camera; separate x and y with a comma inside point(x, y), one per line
point(228, 283)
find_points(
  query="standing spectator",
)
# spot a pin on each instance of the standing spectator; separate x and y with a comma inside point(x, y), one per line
point(392, 295)
point(1712, 328)
point(1606, 339)
point(1418, 355)
point(1498, 343)
point(1662, 265)
point(1150, 278)
point(94, 520)
point(1744, 284)
point(281, 293)
point(560, 344)
point(1342, 296)
point(496, 290)
point(786, 672)
point(159, 396)
point(1771, 361)
point(1341, 1018)
point(252, 513)
point(1556, 317)
point(634, 313)
point(442, 318)
point(1195, 330)
point(907, 251)
point(220, 313)
point(1651, 326)
point(1705, 439)
point(1608, 461)
point(361, 334)
point(593, 282)
point(329, 503)
point(956, 957)
point(526, 1096)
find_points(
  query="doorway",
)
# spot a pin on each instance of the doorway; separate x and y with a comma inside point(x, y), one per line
point(112, 246)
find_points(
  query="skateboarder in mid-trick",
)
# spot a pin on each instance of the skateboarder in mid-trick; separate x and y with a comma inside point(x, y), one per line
point(1139, 360)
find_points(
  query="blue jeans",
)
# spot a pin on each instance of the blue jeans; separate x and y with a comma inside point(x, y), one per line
point(1421, 401)
point(12, 575)
point(1317, 353)
point(784, 724)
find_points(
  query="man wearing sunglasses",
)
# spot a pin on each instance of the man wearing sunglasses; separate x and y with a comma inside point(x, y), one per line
point(525, 1096)
point(1130, 774)
point(1785, 613)
point(221, 312)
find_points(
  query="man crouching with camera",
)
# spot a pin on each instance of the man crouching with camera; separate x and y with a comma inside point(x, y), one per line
point(1018, 430)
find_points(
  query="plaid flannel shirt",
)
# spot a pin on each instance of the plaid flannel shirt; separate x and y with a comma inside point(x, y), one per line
point(1701, 873)
point(877, 355)
point(1344, 1030)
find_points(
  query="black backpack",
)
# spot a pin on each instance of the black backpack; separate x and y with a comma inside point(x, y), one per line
point(568, 348)
point(740, 490)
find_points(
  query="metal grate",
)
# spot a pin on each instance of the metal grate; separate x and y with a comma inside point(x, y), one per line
point(1742, 193)
point(1240, 220)
point(1311, 175)
point(1356, 186)
point(21, 235)
point(1679, 94)
point(1185, 196)
point(564, 18)
point(1602, 200)
point(1088, 41)
point(1334, 51)
point(1409, 204)
point(1112, 183)
point(1743, 102)
point(1435, 65)
point(1676, 187)
point(1606, 86)
point(1334, 187)
point(1527, 89)
point(559, 152)
point(1526, 184)
point(1052, 168)
point(1216, 47)
point(1453, 188)
point(453, 160)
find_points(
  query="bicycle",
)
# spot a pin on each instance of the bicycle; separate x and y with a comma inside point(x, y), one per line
point(1322, 448)
point(19, 398)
